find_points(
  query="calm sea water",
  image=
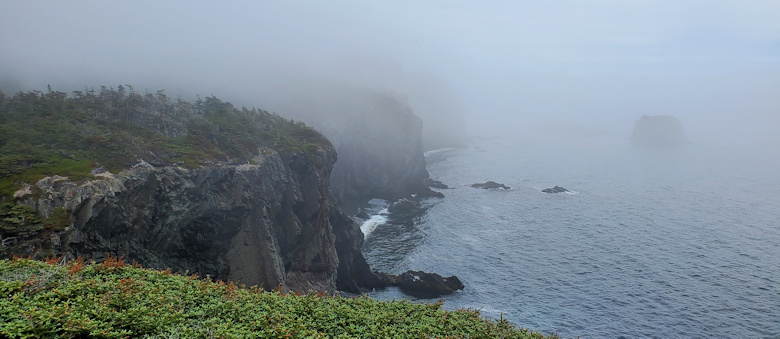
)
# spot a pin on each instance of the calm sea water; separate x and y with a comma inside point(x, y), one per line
point(648, 244)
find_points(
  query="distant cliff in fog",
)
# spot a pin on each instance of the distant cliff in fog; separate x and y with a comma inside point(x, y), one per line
point(658, 131)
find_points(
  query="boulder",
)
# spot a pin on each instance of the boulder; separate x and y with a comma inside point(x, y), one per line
point(556, 189)
point(491, 185)
point(427, 285)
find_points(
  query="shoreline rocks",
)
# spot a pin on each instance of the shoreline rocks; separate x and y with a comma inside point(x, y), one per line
point(556, 189)
point(491, 185)
point(420, 284)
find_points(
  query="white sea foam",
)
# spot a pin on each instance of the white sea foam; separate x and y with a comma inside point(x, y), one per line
point(372, 223)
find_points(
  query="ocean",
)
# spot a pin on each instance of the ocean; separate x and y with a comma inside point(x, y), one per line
point(679, 243)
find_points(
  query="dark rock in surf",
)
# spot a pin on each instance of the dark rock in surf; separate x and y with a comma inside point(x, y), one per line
point(491, 185)
point(435, 184)
point(556, 189)
point(363, 215)
point(404, 206)
point(428, 285)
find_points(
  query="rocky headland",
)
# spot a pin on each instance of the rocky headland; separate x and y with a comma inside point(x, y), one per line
point(183, 191)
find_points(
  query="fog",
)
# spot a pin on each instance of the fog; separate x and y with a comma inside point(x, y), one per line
point(584, 68)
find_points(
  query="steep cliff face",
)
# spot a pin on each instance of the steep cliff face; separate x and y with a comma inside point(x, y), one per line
point(380, 153)
point(354, 274)
point(264, 223)
point(440, 110)
point(377, 136)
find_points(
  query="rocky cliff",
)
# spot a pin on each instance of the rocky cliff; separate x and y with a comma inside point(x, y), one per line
point(234, 194)
point(377, 136)
point(380, 152)
point(264, 223)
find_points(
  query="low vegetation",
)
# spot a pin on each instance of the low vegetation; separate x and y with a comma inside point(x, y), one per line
point(50, 133)
point(113, 300)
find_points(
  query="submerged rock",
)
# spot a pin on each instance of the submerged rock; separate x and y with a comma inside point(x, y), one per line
point(491, 185)
point(556, 189)
point(428, 285)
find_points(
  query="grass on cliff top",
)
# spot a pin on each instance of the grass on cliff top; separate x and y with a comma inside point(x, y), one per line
point(48, 133)
point(113, 300)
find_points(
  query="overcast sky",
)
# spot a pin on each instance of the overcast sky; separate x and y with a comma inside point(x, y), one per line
point(515, 65)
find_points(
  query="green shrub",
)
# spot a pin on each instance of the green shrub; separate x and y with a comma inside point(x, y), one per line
point(114, 300)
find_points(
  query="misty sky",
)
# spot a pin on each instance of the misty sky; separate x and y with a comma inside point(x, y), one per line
point(515, 66)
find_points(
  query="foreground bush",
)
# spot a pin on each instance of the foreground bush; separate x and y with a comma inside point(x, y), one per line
point(111, 299)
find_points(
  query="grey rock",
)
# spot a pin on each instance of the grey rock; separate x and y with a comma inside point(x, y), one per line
point(491, 185)
point(428, 285)
point(556, 189)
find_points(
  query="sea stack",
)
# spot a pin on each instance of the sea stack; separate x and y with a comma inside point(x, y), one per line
point(658, 132)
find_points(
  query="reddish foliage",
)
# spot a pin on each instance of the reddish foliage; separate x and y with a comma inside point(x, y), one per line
point(75, 266)
point(113, 262)
point(54, 260)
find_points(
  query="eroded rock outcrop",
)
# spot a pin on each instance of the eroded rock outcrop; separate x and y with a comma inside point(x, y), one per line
point(259, 224)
